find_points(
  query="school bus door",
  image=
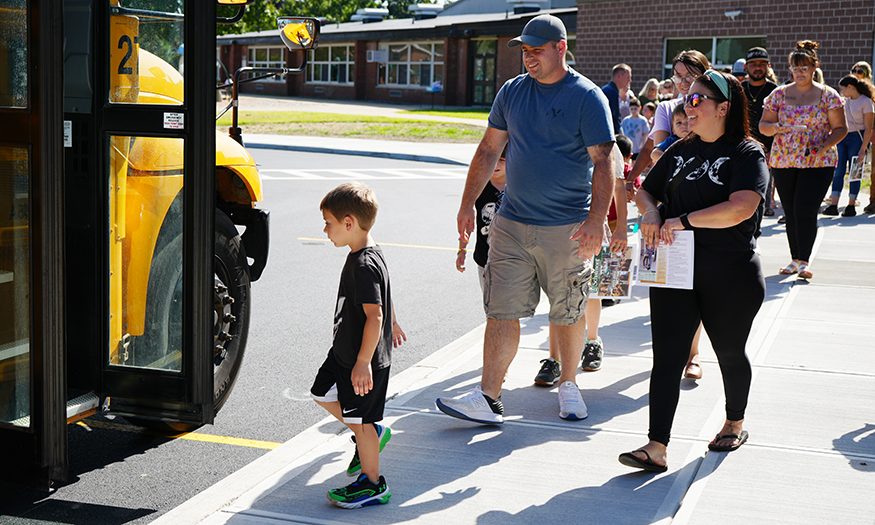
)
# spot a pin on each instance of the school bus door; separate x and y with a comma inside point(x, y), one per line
point(146, 206)
point(33, 433)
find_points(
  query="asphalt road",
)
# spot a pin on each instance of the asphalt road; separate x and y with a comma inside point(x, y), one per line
point(119, 474)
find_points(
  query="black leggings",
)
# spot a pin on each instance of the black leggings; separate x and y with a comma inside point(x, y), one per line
point(801, 191)
point(728, 290)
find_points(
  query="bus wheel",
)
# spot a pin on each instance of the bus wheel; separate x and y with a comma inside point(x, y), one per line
point(231, 305)
point(232, 302)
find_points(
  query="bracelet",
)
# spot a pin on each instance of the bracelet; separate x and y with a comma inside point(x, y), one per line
point(650, 211)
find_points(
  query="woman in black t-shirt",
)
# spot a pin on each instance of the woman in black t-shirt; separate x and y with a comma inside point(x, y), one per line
point(720, 197)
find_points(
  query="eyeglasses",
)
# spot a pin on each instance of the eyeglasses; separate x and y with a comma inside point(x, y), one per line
point(677, 79)
point(859, 71)
point(803, 69)
point(695, 99)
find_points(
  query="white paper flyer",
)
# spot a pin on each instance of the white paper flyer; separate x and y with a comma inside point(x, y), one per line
point(667, 266)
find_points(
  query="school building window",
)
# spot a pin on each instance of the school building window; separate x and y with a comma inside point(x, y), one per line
point(332, 64)
point(414, 64)
point(267, 56)
point(721, 51)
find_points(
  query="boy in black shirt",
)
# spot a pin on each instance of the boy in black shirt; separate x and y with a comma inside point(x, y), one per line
point(352, 382)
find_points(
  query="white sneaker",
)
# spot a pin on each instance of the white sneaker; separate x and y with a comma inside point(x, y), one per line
point(472, 406)
point(571, 405)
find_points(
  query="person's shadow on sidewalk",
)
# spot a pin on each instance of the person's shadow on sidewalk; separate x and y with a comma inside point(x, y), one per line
point(856, 445)
point(629, 498)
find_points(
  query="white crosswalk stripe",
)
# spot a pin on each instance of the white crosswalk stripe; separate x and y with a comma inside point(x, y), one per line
point(363, 174)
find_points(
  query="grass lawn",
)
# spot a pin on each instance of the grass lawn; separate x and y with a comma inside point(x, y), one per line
point(478, 113)
point(358, 126)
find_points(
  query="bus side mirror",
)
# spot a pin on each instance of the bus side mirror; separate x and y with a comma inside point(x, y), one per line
point(299, 33)
point(235, 2)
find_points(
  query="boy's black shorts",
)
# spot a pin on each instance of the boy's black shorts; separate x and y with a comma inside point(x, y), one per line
point(333, 383)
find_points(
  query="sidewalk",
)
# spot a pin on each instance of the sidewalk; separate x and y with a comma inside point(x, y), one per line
point(811, 418)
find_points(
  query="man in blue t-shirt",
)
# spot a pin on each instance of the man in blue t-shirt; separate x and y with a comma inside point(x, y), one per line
point(557, 127)
point(621, 77)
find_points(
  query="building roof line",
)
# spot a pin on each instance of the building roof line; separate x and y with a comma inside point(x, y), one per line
point(433, 27)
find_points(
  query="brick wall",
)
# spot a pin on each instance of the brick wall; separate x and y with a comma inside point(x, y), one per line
point(510, 62)
point(633, 31)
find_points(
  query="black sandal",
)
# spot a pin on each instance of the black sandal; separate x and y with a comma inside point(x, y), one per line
point(631, 460)
point(716, 448)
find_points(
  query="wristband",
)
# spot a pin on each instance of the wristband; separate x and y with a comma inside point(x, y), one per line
point(686, 222)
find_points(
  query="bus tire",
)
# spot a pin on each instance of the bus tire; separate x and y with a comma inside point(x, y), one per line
point(231, 281)
point(230, 317)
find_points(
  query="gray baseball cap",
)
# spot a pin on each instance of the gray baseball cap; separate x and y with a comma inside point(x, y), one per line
point(539, 31)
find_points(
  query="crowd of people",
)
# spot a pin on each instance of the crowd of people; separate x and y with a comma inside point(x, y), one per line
point(810, 132)
point(548, 187)
point(713, 148)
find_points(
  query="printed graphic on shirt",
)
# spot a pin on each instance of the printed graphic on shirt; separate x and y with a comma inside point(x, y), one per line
point(487, 214)
point(338, 316)
point(705, 168)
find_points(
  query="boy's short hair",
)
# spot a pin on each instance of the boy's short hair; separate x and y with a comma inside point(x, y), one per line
point(624, 143)
point(650, 105)
point(634, 102)
point(678, 111)
point(352, 198)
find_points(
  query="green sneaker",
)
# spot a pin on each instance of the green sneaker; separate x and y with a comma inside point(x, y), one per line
point(361, 493)
point(355, 466)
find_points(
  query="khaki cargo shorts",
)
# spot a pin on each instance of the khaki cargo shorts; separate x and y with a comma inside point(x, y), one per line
point(523, 259)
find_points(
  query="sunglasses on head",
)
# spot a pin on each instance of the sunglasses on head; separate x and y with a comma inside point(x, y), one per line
point(695, 99)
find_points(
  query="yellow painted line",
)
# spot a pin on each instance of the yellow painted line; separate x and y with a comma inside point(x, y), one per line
point(224, 440)
point(192, 436)
point(388, 244)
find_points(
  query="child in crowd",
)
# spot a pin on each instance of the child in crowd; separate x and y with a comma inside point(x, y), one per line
point(649, 110)
point(666, 90)
point(680, 128)
point(616, 238)
point(635, 127)
point(625, 145)
point(594, 350)
point(486, 207)
point(352, 382)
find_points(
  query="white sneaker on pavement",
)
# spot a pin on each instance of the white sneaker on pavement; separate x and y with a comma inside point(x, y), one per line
point(472, 406)
point(571, 405)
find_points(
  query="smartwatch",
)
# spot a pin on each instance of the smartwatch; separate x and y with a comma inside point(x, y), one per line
point(686, 222)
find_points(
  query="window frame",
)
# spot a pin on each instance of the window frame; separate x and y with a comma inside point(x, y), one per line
point(408, 65)
point(715, 40)
point(348, 63)
point(252, 62)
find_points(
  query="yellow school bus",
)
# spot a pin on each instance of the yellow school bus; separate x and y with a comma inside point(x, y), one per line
point(124, 275)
